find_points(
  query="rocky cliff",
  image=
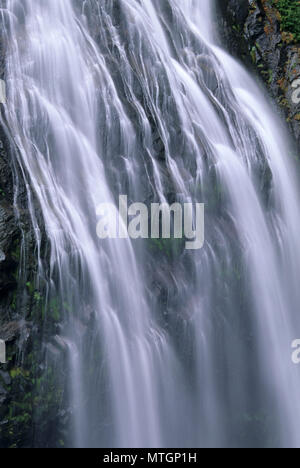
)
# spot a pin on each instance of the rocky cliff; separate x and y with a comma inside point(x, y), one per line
point(23, 404)
point(265, 34)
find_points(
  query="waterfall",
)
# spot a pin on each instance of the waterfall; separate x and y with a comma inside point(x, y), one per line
point(166, 347)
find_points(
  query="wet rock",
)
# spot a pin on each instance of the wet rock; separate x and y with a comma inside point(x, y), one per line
point(5, 377)
point(12, 330)
point(253, 25)
point(8, 237)
point(255, 31)
point(3, 394)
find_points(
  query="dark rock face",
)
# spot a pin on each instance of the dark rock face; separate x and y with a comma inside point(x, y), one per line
point(255, 32)
point(21, 306)
point(14, 304)
point(30, 393)
point(28, 390)
point(9, 235)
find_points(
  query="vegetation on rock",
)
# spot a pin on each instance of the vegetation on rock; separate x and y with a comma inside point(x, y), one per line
point(289, 11)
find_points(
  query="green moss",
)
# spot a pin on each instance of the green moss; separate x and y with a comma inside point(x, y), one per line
point(30, 287)
point(37, 296)
point(55, 310)
point(253, 54)
point(170, 247)
point(18, 371)
point(290, 16)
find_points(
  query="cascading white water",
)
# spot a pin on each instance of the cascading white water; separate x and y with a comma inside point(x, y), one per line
point(184, 348)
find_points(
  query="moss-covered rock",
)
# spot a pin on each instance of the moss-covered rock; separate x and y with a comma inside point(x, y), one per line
point(289, 17)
